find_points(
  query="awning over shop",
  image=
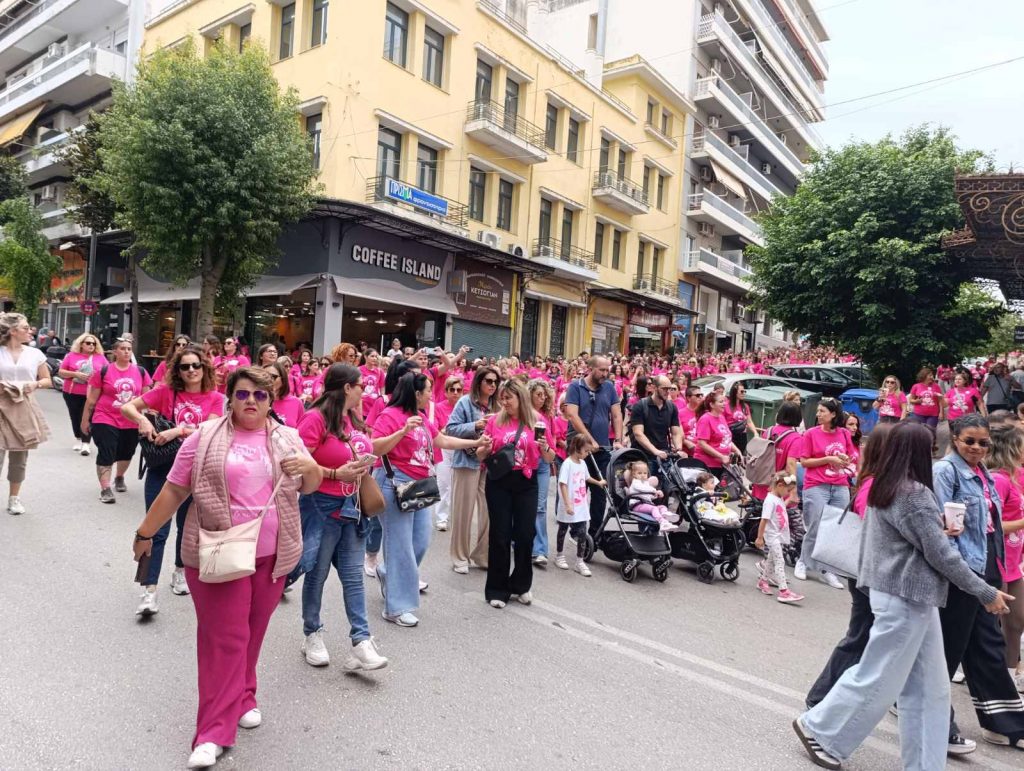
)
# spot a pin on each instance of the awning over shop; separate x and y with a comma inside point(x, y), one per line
point(727, 179)
point(16, 127)
point(553, 299)
point(153, 291)
point(393, 294)
point(662, 305)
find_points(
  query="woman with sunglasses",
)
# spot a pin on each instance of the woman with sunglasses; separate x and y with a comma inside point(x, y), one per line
point(971, 637)
point(180, 342)
point(287, 408)
point(891, 402)
point(453, 387)
point(85, 356)
point(234, 467)
point(188, 398)
point(228, 361)
point(211, 347)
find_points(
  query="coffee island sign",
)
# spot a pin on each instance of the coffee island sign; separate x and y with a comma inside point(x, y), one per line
point(385, 260)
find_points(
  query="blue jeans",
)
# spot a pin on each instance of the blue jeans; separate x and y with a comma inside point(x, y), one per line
point(903, 661)
point(540, 540)
point(815, 499)
point(406, 538)
point(374, 535)
point(151, 488)
point(341, 545)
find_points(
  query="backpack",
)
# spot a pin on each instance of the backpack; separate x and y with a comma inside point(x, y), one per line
point(761, 466)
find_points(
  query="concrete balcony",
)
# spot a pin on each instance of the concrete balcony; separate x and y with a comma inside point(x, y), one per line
point(57, 226)
point(708, 207)
point(514, 137)
point(814, 49)
point(76, 78)
point(566, 260)
point(713, 147)
point(620, 193)
point(716, 271)
point(48, 21)
point(655, 286)
point(42, 161)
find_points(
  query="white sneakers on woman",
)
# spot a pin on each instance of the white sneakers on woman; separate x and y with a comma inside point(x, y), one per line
point(365, 656)
point(250, 719)
point(178, 584)
point(15, 506)
point(205, 755)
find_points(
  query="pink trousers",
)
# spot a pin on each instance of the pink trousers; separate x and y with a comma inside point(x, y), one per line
point(232, 620)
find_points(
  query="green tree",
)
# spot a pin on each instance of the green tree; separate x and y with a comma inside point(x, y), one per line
point(25, 258)
point(89, 204)
point(12, 178)
point(854, 257)
point(206, 161)
point(1000, 338)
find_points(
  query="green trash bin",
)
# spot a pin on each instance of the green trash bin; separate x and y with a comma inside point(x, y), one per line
point(809, 403)
point(763, 403)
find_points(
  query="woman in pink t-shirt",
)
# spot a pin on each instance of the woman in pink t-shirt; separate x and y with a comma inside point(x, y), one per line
point(454, 385)
point(228, 361)
point(373, 379)
point(188, 399)
point(180, 343)
point(737, 413)
point(963, 398)
point(926, 401)
point(542, 399)
point(85, 357)
point(891, 402)
point(715, 447)
point(287, 407)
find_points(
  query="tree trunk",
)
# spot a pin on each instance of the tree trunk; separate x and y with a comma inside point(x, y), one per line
point(213, 271)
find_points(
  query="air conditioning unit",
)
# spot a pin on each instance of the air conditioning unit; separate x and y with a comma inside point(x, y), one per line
point(734, 140)
point(783, 137)
point(48, 194)
point(490, 238)
point(706, 229)
point(714, 121)
point(56, 50)
point(643, 284)
point(706, 175)
point(766, 169)
point(516, 250)
point(716, 65)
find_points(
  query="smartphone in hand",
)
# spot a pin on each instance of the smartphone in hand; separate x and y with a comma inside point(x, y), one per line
point(142, 571)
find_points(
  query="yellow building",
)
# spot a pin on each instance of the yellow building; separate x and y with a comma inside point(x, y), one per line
point(478, 188)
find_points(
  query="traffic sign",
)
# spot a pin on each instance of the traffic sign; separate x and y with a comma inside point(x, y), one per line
point(88, 307)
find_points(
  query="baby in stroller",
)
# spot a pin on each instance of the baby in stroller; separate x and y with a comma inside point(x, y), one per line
point(708, 503)
point(641, 494)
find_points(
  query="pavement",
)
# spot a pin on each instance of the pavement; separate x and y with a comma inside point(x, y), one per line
point(597, 673)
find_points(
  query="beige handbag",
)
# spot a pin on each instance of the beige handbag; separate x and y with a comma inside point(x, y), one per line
point(225, 555)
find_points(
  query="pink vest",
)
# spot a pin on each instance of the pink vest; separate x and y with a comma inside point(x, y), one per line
point(211, 509)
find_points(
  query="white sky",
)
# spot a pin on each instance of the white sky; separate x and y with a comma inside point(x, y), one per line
point(878, 45)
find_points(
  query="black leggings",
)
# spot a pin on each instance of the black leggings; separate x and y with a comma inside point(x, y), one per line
point(76, 406)
point(578, 531)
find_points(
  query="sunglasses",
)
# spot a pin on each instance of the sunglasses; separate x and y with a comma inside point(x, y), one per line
point(243, 395)
point(89, 342)
point(455, 388)
point(193, 366)
point(971, 441)
point(490, 381)
point(180, 344)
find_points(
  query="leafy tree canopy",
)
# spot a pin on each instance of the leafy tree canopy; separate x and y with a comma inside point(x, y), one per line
point(89, 205)
point(12, 178)
point(25, 258)
point(854, 257)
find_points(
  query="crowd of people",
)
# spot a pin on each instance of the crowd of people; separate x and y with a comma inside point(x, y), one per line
point(351, 459)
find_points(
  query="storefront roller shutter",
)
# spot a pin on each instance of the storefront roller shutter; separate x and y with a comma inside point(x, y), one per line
point(485, 339)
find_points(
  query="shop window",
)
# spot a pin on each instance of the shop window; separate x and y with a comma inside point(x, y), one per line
point(506, 196)
point(531, 316)
point(396, 34)
point(616, 249)
point(599, 243)
point(484, 79)
point(544, 224)
point(551, 126)
point(433, 56)
point(559, 314)
point(244, 33)
point(287, 31)
point(389, 153)
point(572, 145)
point(318, 34)
point(477, 193)
point(426, 168)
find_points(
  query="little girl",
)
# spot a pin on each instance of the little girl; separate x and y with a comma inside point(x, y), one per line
point(643, 491)
point(574, 516)
point(774, 533)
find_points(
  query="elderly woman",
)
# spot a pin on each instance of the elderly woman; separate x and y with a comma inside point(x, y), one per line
point(85, 356)
point(542, 399)
point(235, 468)
point(24, 366)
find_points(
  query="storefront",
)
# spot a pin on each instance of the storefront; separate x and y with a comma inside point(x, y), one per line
point(484, 297)
point(646, 322)
point(553, 318)
point(648, 330)
point(609, 322)
point(67, 290)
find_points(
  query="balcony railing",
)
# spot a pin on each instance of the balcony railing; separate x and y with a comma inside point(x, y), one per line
point(767, 25)
point(694, 261)
point(805, 28)
point(696, 200)
point(496, 114)
point(566, 252)
point(701, 140)
point(627, 187)
point(84, 53)
point(458, 213)
point(656, 285)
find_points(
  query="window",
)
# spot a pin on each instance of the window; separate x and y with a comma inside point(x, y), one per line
point(389, 153)
point(599, 243)
point(287, 30)
point(396, 34)
point(314, 124)
point(572, 145)
point(433, 56)
point(661, 192)
point(623, 163)
point(426, 168)
point(606, 151)
point(244, 33)
point(511, 104)
point(651, 108)
point(506, 193)
point(551, 126)
point(640, 253)
point(531, 316)
point(484, 77)
point(568, 219)
point(544, 227)
point(666, 123)
point(656, 262)
point(318, 35)
point(616, 248)
point(592, 32)
point(558, 316)
point(647, 181)
point(477, 193)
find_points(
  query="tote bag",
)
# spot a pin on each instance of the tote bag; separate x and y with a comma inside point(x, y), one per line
point(837, 547)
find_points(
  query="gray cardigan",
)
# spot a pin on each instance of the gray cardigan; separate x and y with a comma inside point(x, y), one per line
point(905, 552)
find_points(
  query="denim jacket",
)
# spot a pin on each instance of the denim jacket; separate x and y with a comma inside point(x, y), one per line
point(462, 425)
point(972, 541)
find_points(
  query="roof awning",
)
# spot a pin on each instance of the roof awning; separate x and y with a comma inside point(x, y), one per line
point(727, 179)
point(393, 294)
point(153, 291)
point(16, 127)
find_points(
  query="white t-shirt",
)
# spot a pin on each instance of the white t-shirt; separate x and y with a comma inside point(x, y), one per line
point(27, 367)
point(574, 476)
point(774, 512)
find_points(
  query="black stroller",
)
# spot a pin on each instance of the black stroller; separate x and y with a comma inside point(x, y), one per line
point(635, 538)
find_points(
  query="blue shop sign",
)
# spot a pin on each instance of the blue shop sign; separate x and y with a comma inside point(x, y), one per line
point(413, 196)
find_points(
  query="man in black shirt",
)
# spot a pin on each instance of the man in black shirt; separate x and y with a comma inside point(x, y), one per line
point(655, 425)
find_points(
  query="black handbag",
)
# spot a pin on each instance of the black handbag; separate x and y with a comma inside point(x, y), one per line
point(415, 494)
point(156, 456)
point(503, 460)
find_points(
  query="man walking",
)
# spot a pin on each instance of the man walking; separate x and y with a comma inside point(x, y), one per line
point(654, 422)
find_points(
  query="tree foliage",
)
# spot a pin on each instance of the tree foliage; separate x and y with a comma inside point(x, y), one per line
point(25, 258)
point(854, 257)
point(90, 205)
point(206, 161)
point(12, 178)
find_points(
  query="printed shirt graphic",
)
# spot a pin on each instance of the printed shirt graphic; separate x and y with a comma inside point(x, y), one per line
point(716, 432)
point(773, 512)
point(414, 452)
point(190, 409)
point(79, 362)
point(527, 453)
point(892, 405)
point(929, 396)
point(818, 443)
point(117, 389)
point(961, 401)
point(574, 476)
point(329, 451)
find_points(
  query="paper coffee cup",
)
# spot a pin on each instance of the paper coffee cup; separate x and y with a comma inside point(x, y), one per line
point(539, 428)
point(953, 513)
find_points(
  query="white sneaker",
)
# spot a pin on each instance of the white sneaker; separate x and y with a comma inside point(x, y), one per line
point(424, 586)
point(370, 565)
point(526, 598)
point(178, 584)
point(250, 719)
point(540, 560)
point(15, 506)
point(561, 562)
point(958, 676)
point(77, 447)
point(147, 607)
point(461, 569)
point(800, 570)
point(314, 649)
point(832, 580)
point(365, 656)
point(497, 604)
point(583, 569)
point(205, 755)
point(442, 525)
point(85, 449)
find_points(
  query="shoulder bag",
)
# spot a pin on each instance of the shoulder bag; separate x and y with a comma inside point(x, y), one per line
point(415, 494)
point(158, 456)
point(369, 498)
point(225, 555)
point(503, 460)
point(837, 546)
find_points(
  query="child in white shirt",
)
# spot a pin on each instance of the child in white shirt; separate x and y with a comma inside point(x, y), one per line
point(574, 515)
point(773, 533)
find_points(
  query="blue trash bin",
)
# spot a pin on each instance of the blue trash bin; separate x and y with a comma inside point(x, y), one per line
point(861, 402)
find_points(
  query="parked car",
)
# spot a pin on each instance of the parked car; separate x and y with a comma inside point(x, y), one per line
point(860, 374)
point(823, 379)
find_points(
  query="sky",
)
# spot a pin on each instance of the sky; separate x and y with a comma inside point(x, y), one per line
point(878, 45)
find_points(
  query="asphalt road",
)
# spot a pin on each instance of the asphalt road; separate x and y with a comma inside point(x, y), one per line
point(597, 673)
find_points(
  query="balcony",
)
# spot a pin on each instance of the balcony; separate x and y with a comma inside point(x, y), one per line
point(655, 286)
point(708, 207)
point(452, 220)
point(509, 134)
point(50, 20)
point(76, 78)
point(794, 13)
point(42, 160)
point(717, 271)
point(711, 146)
point(566, 260)
point(57, 226)
point(715, 89)
point(620, 193)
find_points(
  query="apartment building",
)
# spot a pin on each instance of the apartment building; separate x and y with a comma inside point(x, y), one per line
point(478, 187)
point(755, 70)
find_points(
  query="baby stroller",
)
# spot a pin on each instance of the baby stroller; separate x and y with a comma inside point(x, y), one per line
point(635, 537)
point(737, 488)
point(702, 537)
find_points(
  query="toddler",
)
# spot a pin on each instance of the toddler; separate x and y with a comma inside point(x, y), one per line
point(643, 491)
point(574, 516)
point(713, 507)
point(773, 533)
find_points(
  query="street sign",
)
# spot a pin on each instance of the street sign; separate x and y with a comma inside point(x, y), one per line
point(413, 196)
point(1018, 334)
point(88, 307)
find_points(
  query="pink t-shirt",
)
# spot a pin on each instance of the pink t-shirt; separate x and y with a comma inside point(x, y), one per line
point(788, 447)
point(309, 387)
point(225, 365)
point(190, 409)
point(414, 453)
point(527, 452)
point(986, 491)
point(818, 444)
point(688, 422)
point(79, 362)
point(930, 396)
point(329, 451)
point(892, 405)
point(289, 409)
point(561, 432)
point(713, 429)
point(737, 415)
point(961, 401)
point(117, 389)
point(160, 373)
point(373, 386)
point(1013, 510)
point(249, 473)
